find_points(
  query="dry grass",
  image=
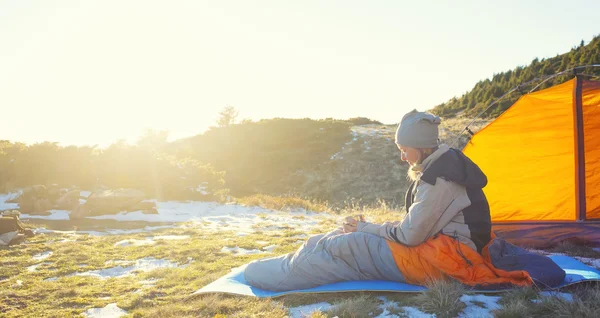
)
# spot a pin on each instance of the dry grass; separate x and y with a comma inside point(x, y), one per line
point(572, 249)
point(361, 306)
point(451, 128)
point(527, 303)
point(442, 298)
point(285, 203)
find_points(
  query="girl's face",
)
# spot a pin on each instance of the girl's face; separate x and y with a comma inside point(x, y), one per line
point(410, 155)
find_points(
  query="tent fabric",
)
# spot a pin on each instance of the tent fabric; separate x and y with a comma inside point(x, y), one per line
point(235, 284)
point(542, 160)
point(527, 155)
point(548, 235)
point(591, 127)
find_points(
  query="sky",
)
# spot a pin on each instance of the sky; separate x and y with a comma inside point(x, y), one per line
point(94, 72)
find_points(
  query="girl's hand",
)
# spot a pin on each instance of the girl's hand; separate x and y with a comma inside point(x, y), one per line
point(351, 223)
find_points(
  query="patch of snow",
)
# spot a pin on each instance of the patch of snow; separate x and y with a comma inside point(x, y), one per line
point(105, 232)
point(50, 279)
point(60, 215)
point(270, 248)
point(261, 242)
point(85, 193)
point(113, 262)
point(42, 256)
point(408, 311)
point(144, 265)
point(105, 298)
point(171, 237)
point(589, 261)
point(134, 242)
point(8, 196)
point(82, 201)
point(299, 242)
point(416, 313)
point(172, 211)
point(33, 268)
point(240, 251)
point(109, 311)
point(307, 310)
point(241, 220)
point(19, 283)
point(300, 236)
point(490, 303)
point(385, 308)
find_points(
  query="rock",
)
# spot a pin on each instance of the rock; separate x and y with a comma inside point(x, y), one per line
point(68, 201)
point(37, 199)
point(112, 202)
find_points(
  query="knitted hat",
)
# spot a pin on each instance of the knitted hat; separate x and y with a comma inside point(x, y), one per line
point(418, 130)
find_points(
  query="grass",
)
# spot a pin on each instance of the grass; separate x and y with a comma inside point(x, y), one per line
point(527, 303)
point(442, 298)
point(285, 203)
point(170, 293)
point(572, 249)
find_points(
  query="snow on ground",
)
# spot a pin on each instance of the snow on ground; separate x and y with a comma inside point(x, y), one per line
point(143, 265)
point(171, 237)
point(415, 313)
point(134, 242)
point(150, 240)
point(593, 262)
point(42, 256)
point(392, 305)
point(373, 131)
point(219, 217)
point(489, 303)
point(307, 310)
point(270, 248)
point(242, 220)
point(240, 251)
point(105, 231)
point(109, 311)
point(8, 206)
point(477, 306)
point(54, 215)
point(33, 268)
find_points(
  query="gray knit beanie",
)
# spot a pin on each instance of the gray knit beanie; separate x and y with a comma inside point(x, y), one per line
point(418, 130)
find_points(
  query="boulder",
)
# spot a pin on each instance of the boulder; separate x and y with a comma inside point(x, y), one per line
point(38, 199)
point(112, 202)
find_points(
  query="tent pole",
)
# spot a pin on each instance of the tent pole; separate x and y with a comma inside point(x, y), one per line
point(579, 150)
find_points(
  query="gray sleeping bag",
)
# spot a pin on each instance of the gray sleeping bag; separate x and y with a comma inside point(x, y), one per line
point(326, 259)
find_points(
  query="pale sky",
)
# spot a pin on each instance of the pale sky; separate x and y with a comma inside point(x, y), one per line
point(93, 72)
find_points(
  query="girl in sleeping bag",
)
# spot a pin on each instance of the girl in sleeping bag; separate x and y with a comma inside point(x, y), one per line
point(446, 233)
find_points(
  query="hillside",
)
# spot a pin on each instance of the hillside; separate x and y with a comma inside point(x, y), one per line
point(332, 161)
point(488, 90)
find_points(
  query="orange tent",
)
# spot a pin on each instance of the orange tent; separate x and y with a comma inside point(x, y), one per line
point(542, 159)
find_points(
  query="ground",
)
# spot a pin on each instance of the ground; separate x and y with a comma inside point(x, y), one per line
point(140, 265)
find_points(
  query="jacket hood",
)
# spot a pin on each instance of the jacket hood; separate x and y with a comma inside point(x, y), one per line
point(454, 166)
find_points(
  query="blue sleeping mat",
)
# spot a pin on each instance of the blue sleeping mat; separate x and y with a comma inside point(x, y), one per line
point(235, 284)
